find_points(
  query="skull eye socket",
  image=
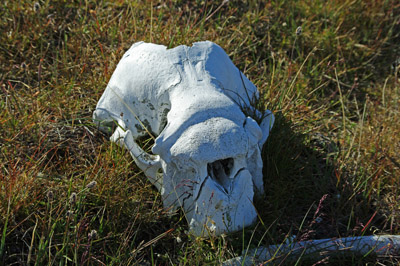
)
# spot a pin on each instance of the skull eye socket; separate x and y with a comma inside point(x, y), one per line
point(220, 172)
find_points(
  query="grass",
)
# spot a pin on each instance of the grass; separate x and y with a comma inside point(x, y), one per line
point(331, 164)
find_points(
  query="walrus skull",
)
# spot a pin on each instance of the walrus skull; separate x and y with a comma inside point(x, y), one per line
point(207, 152)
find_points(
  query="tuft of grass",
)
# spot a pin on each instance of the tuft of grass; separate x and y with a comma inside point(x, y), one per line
point(331, 164)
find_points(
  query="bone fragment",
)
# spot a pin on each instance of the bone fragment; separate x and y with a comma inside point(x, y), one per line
point(383, 245)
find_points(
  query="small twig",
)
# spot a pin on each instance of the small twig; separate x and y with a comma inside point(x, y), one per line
point(338, 81)
point(40, 72)
point(216, 10)
point(342, 103)
point(151, 242)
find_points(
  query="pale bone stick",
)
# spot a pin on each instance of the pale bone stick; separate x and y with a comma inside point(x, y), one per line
point(377, 245)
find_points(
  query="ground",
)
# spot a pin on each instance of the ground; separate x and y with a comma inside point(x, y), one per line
point(327, 69)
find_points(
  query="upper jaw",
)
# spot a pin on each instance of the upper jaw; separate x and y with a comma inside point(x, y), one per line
point(217, 212)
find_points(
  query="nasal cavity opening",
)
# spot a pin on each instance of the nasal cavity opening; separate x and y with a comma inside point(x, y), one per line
point(220, 172)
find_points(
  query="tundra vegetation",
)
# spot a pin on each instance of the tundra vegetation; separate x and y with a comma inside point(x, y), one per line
point(327, 69)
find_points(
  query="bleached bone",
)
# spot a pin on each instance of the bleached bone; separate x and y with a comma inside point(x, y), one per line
point(191, 100)
point(384, 245)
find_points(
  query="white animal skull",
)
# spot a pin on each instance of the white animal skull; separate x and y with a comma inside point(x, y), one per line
point(192, 100)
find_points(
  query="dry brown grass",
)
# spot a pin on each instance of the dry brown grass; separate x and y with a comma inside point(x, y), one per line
point(334, 90)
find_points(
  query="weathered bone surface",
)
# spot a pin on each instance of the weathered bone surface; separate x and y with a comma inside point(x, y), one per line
point(207, 152)
point(379, 245)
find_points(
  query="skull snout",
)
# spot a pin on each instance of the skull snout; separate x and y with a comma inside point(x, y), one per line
point(216, 211)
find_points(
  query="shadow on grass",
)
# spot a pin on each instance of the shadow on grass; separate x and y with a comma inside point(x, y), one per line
point(298, 174)
point(305, 197)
